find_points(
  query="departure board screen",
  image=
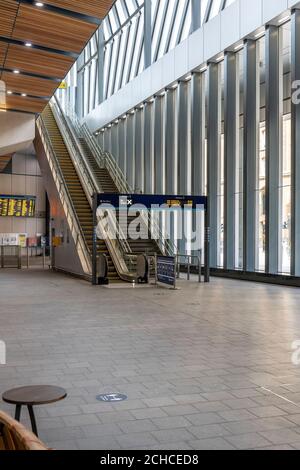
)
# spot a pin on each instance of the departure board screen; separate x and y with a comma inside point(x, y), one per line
point(17, 206)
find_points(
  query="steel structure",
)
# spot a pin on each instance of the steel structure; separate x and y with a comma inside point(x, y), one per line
point(135, 34)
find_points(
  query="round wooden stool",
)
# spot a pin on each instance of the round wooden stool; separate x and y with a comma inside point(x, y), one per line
point(32, 396)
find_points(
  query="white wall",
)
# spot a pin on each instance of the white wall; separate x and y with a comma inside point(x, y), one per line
point(16, 131)
point(25, 180)
point(235, 23)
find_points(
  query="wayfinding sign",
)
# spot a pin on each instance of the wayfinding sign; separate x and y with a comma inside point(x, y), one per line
point(166, 270)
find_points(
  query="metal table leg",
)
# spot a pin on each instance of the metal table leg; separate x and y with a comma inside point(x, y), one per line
point(32, 419)
point(18, 412)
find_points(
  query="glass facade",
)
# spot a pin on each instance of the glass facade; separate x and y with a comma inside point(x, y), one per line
point(116, 53)
point(253, 217)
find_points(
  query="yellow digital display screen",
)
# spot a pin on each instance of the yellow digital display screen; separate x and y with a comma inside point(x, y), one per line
point(17, 206)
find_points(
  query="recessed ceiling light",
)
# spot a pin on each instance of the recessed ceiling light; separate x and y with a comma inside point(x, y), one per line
point(16, 71)
point(24, 94)
point(9, 92)
point(28, 44)
point(39, 4)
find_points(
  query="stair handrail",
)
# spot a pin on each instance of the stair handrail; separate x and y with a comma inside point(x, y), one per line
point(75, 150)
point(100, 159)
point(106, 160)
point(66, 199)
point(118, 247)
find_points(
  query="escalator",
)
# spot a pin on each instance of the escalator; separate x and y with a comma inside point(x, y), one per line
point(77, 194)
point(144, 245)
point(80, 169)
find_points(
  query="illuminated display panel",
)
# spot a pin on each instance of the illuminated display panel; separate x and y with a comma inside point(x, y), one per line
point(17, 206)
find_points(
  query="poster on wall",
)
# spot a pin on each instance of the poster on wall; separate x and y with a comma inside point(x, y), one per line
point(17, 206)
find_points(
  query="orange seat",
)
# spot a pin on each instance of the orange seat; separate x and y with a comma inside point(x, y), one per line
point(14, 436)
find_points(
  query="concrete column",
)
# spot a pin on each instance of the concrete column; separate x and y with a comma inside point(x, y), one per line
point(198, 133)
point(231, 154)
point(159, 145)
point(139, 149)
point(130, 150)
point(274, 114)
point(149, 148)
point(213, 156)
point(251, 149)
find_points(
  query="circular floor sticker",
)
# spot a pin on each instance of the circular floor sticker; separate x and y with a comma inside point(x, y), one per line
point(112, 397)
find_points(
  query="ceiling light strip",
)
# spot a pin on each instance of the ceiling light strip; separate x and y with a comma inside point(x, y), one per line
point(30, 45)
point(62, 11)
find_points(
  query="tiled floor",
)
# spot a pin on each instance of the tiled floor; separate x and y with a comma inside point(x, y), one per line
point(205, 367)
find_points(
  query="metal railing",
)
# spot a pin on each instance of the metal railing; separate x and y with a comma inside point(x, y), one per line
point(116, 246)
point(65, 198)
point(107, 161)
point(16, 256)
point(189, 263)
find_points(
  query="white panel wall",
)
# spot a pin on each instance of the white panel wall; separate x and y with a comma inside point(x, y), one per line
point(236, 22)
point(17, 129)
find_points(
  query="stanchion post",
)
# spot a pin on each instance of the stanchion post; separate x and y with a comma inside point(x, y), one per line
point(94, 252)
point(200, 265)
point(207, 248)
point(19, 257)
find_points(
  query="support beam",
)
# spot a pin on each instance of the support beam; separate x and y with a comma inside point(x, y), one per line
point(184, 138)
point(148, 148)
point(295, 212)
point(79, 89)
point(251, 148)
point(122, 145)
point(231, 155)
point(213, 157)
point(115, 141)
point(100, 77)
point(159, 145)
point(274, 114)
point(171, 142)
point(198, 133)
point(196, 15)
point(130, 150)
point(148, 33)
point(139, 150)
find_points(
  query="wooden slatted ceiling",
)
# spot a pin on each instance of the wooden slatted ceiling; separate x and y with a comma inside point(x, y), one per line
point(96, 8)
point(29, 85)
point(37, 62)
point(21, 103)
point(51, 30)
point(8, 11)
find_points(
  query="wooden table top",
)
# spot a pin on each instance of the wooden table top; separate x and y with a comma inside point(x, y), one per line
point(34, 395)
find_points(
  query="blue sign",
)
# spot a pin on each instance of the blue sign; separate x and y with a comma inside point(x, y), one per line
point(166, 270)
point(173, 202)
point(112, 397)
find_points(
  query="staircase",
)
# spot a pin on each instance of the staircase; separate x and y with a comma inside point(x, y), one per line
point(144, 245)
point(77, 194)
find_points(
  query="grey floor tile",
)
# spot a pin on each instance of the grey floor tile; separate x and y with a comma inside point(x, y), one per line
point(248, 441)
point(217, 443)
point(179, 361)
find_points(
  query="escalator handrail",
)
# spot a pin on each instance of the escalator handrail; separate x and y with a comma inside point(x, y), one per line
point(116, 247)
point(106, 160)
point(63, 186)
